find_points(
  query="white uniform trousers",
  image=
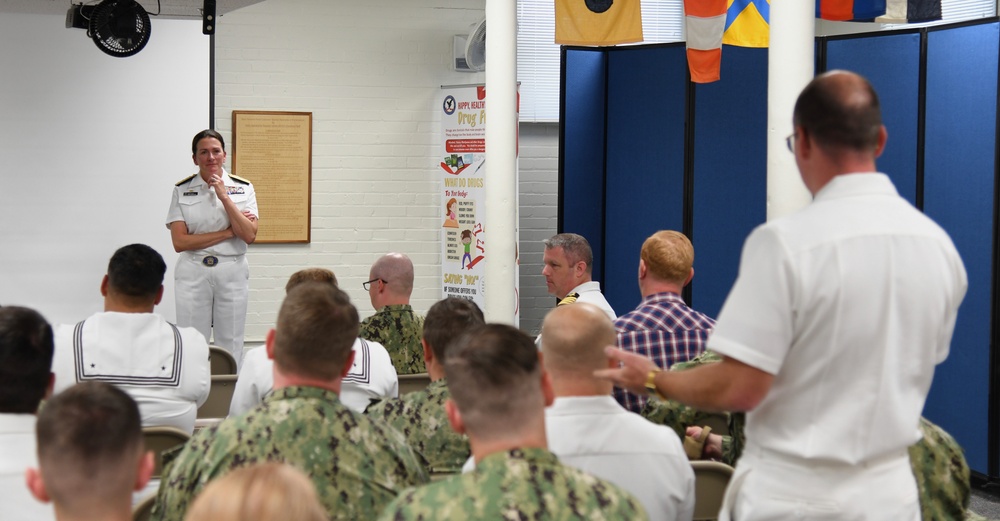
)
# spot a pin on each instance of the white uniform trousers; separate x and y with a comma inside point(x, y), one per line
point(772, 486)
point(213, 299)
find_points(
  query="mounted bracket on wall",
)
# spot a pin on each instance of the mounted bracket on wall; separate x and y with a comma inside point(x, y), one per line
point(208, 17)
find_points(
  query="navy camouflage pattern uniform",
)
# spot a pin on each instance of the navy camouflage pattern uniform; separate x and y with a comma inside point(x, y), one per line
point(527, 483)
point(679, 417)
point(422, 419)
point(937, 460)
point(357, 464)
point(399, 329)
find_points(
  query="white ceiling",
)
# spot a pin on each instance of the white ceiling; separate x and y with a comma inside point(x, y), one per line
point(169, 8)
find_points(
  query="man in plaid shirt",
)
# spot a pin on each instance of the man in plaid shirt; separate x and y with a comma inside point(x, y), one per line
point(662, 328)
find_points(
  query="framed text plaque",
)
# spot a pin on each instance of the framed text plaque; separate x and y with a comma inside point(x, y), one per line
point(274, 151)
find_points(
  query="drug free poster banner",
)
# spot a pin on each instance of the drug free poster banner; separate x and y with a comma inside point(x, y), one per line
point(463, 170)
point(464, 181)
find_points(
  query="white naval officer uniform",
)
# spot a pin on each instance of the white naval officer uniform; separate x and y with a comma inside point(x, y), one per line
point(211, 285)
point(371, 376)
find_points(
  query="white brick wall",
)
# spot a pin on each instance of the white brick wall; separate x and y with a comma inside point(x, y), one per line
point(370, 72)
point(539, 173)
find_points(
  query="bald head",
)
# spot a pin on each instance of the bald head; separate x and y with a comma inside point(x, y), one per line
point(396, 270)
point(573, 342)
point(840, 111)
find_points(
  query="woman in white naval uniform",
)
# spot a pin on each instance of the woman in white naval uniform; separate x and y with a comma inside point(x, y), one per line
point(212, 217)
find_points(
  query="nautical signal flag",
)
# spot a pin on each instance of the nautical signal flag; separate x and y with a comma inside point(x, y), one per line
point(704, 23)
point(747, 23)
point(849, 10)
point(598, 22)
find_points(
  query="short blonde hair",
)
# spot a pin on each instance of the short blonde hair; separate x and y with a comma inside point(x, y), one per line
point(311, 274)
point(668, 256)
point(259, 493)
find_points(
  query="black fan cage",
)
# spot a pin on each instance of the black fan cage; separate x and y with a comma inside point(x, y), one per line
point(120, 28)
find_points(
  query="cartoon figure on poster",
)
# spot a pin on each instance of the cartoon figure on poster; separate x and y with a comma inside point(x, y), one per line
point(451, 215)
point(467, 242)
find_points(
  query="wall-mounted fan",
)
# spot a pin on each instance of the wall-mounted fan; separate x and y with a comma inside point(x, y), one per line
point(470, 51)
point(120, 28)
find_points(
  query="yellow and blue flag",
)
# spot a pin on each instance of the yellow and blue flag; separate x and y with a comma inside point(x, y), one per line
point(748, 23)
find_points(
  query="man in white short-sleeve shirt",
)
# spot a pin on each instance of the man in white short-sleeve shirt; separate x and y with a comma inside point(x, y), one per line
point(587, 428)
point(832, 330)
point(164, 368)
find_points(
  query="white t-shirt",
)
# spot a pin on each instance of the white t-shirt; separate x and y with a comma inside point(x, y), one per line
point(164, 368)
point(598, 436)
point(850, 303)
point(17, 452)
point(372, 376)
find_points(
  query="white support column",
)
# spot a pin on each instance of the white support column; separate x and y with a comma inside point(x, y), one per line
point(501, 147)
point(790, 67)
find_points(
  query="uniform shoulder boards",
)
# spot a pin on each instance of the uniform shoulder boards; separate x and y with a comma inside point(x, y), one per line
point(239, 179)
point(569, 299)
point(185, 180)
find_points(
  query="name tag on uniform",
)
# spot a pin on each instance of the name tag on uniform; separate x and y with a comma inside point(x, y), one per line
point(231, 190)
point(190, 192)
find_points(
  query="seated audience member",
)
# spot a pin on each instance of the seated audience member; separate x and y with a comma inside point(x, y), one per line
point(91, 454)
point(394, 324)
point(568, 269)
point(164, 368)
point(25, 380)
point(371, 377)
point(662, 328)
point(357, 464)
point(264, 492)
point(589, 430)
point(420, 416)
point(498, 397)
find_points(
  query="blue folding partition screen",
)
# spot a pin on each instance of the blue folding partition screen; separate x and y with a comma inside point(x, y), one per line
point(582, 147)
point(730, 172)
point(642, 149)
point(892, 64)
point(959, 156)
point(644, 191)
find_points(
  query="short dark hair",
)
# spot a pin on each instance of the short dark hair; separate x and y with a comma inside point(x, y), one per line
point(204, 134)
point(574, 246)
point(89, 437)
point(26, 348)
point(316, 330)
point(447, 319)
point(136, 271)
point(493, 376)
point(840, 110)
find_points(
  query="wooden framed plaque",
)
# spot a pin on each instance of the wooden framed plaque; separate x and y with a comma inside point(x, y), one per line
point(274, 151)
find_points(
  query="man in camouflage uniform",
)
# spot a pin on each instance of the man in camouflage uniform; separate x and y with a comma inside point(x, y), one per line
point(358, 465)
point(394, 325)
point(499, 394)
point(420, 416)
point(937, 460)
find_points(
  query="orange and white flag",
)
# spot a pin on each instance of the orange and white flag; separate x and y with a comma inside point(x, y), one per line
point(704, 23)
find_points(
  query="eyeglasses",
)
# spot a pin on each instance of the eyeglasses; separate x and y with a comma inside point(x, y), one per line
point(368, 285)
point(790, 142)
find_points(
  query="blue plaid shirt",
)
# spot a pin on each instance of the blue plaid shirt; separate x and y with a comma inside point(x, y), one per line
point(664, 330)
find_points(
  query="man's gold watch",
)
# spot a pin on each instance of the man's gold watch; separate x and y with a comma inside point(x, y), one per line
point(651, 383)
